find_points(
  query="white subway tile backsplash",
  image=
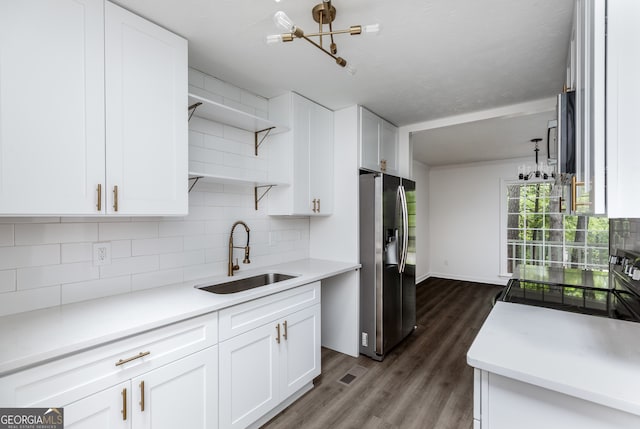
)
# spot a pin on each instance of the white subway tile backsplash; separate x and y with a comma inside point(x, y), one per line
point(132, 265)
point(120, 248)
point(181, 228)
point(6, 235)
point(27, 300)
point(128, 230)
point(156, 246)
point(82, 291)
point(206, 127)
point(257, 102)
point(35, 277)
point(76, 252)
point(239, 106)
point(56, 233)
point(29, 256)
point(156, 279)
point(196, 78)
point(182, 259)
point(222, 88)
point(7, 281)
point(238, 135)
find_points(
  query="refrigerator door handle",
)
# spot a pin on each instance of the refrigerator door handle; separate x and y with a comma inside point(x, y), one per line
point(405, 229)
point(399, 219)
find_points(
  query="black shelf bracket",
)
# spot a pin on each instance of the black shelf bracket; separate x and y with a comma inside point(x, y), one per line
point(192, 109)
point(255, 193)
point(195, 180)
point(258, 143)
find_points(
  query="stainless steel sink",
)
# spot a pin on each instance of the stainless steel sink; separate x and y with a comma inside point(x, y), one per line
point(247, 283)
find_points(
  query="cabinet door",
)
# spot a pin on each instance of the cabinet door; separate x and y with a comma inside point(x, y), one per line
point(300, 361)
point(389, 148)
point(369, 140)
point(51, 106)
point(590, 105)
point(108, 409)
point(146, 116)
point(249, 376)
point(321, 160)
point(303, 110)
point(623, 93)
point(181, 394)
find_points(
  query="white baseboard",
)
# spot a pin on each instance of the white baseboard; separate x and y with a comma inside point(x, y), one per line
point(500, 281)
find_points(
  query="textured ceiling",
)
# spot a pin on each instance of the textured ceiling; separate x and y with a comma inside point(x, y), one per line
point(432, 59)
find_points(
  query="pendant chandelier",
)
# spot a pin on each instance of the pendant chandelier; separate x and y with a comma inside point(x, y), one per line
point(324, 14)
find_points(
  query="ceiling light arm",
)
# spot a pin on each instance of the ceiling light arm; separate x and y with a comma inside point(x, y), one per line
point(339, 60)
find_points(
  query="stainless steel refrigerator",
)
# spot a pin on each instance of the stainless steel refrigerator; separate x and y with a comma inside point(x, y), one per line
point(387, 255)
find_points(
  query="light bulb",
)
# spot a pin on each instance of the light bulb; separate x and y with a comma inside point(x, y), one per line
point(274, 38)
point(371, 29)
point(284, 22)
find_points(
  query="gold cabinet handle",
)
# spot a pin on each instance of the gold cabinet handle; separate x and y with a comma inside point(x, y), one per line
point(115, 198)
point(383, 165)
point(285, 329)
point(278, 330)
point(127, 360)
point(574, 194)
point(318, 205)
point(314, 205)
point(142, 395)
point(99, 190)
point(124, 404)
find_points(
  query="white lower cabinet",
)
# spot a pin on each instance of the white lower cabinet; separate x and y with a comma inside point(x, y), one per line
point(268, 364)
point(505, 403)
point(164, 378)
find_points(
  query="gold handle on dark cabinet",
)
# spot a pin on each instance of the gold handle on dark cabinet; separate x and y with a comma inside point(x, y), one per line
point(99, 205)
point(142, 396)
point(124, 404)
point(285, 329)
point(278, 330)
point(115, 198)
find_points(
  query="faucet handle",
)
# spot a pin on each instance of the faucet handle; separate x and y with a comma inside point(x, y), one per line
point(236, 266)
point(246, 256)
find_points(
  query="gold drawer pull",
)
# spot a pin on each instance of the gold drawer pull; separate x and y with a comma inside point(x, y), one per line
point(278, 330)
point(99, 190)
point(127, 360)
point(285, 329)
point(142, 396)
point(115, 198)
point(124, 404)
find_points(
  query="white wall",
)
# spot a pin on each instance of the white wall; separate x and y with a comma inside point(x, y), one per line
point(464, 220)
point(46, 262)
point(421, 177)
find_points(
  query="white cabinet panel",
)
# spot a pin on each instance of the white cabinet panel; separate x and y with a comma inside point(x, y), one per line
point(623, 93)
point(301, 157)
point(300, 361)
point(181, 394)
point(51, 106)
point(146, 87)
point(379, 144)
point(249, 375)
point(102, 410)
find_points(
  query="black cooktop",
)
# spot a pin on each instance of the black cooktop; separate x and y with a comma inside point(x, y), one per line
point(614, 298)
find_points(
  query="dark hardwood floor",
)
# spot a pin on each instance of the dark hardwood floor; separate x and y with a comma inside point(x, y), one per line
point(424, 383)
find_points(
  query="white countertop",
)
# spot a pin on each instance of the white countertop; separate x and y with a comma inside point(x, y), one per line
point(588, 357)
point(37, 336)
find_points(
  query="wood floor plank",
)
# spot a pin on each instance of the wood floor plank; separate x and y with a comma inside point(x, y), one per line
point(424, 383)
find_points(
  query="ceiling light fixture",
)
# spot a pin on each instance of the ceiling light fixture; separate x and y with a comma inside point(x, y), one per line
point(324, 14)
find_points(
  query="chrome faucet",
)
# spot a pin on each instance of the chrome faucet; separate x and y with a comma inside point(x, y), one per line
point(233, 267)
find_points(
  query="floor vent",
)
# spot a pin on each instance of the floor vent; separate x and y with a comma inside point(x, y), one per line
point(352, 374)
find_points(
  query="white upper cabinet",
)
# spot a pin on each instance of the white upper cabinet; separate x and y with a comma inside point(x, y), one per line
point(58, 154)
point(51, 106)
point(589, 193)
point(146, 87)
point(623, 93)
point(378, 143)
point(301, 157)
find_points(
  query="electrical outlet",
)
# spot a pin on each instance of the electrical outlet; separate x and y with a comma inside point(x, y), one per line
point(365, 339)
point(101, 253)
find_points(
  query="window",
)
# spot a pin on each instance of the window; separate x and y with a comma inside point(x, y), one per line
point(538, 234)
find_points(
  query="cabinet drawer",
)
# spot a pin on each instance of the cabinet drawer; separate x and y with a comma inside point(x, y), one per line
point(246, 316)
point(68, 379)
